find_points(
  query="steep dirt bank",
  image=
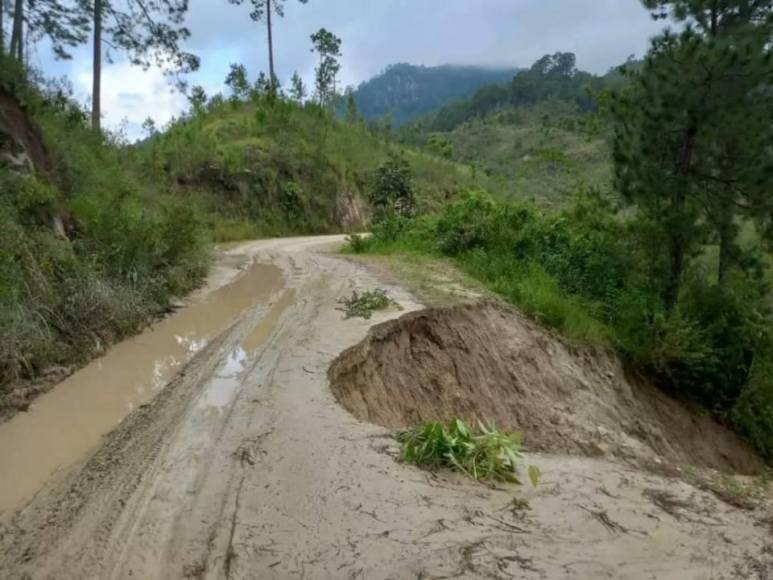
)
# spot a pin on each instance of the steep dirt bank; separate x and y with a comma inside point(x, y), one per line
point(486, 362)
point(245, 466)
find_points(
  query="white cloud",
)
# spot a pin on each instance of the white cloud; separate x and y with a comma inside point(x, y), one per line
point(132, 94)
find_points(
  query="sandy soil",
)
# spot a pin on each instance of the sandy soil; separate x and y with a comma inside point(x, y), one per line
point(245, 466)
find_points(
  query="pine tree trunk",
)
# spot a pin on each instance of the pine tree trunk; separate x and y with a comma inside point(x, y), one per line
point(272, 76)
point(677, 259)
point(96, 93)
point(18, 28)
point(678, 202)
point(2, 29)
point(727, 235)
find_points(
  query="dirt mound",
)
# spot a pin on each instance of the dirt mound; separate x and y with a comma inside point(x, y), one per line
point(482, 362)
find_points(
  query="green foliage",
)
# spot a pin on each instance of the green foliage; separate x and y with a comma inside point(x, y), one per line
point(553, 77)
point(522, 155)
point(753, 413)
point(466, 224)
point(237, 81)
point(365, 304)
point(263, 166)
point(440, 146)
point(485, 454)
point(328, 46)
point(123, 249)
point(391, 190)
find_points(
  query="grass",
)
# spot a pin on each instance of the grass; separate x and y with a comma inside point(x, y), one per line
point(483, 454)
point(365, 304)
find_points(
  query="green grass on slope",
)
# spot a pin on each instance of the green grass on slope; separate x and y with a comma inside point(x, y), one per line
point(126, 248)
point(273, 168)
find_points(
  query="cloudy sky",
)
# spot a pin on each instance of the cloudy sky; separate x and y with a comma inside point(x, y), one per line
point(375, 33)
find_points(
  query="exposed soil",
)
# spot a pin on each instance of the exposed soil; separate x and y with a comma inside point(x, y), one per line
point(244, 466)
point(22, 134)
point(487, 363)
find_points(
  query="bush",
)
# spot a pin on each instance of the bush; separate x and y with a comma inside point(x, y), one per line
point(391, 191)
point(466, 224)
point(753, 413)
point(482, 455)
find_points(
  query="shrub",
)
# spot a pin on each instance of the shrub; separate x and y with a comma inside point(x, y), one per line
point(363, 305)
point(466, 224)
point(481, 455)
point(753, 413)
point(392, 191)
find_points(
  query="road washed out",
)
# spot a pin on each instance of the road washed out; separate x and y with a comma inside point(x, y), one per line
point(66, 423)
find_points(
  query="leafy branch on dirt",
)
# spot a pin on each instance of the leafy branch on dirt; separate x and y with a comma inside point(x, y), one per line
point(363, 305)
point(484, 454)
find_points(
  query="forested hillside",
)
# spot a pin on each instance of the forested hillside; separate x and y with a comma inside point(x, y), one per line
point(540, 136)
point(404, 92)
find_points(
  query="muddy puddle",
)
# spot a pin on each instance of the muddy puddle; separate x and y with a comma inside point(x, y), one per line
point(222, 389)
point(64, 424)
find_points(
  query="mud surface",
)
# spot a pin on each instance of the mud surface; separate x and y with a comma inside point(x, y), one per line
point(68, 421)
point(244, 466)
point(487, 363)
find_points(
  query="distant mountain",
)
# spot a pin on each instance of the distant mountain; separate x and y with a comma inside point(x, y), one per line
point(405, 92)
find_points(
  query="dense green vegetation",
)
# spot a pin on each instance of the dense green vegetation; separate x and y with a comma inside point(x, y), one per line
point(261, 164)
point(88, 251)
point(539, 137)
point(404, 92)
point(672, 265)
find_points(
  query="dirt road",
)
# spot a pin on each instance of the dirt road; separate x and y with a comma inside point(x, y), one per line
point(244, 466)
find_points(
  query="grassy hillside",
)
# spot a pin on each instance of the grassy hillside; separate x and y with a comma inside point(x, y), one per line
point(89, 252)
point(404, 92)
point(267, 166)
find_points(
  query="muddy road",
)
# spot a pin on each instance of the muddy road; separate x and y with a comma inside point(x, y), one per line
point(245, 466)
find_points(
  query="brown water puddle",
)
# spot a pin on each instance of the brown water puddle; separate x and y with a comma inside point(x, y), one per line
point(64, 424)
point(222, 389)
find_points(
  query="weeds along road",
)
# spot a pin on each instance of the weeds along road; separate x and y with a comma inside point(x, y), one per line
point(244, 466)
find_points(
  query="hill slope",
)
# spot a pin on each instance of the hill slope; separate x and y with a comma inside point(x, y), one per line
point(405, 92)
point(539, 136)
point(263, 167)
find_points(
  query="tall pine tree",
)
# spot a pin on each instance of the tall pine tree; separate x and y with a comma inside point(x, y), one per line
point(266, 9)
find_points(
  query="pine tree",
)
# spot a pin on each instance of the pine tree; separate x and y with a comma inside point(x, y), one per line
point(237, 82)
point(328, 46)
point(149, 32)
point(691, 145)
point(62, 22)
point(266, 9)
point(352, 112)
point(297, 88)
